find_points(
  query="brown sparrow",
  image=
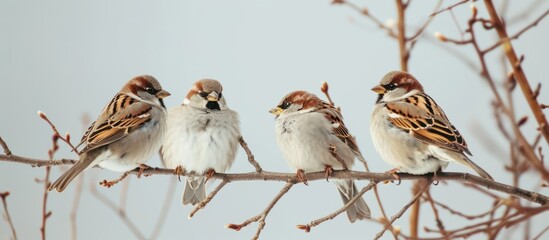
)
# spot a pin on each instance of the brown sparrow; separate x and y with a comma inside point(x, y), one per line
point(411, 132)
point(312, 136)
point(128, 132)
point(202, 137)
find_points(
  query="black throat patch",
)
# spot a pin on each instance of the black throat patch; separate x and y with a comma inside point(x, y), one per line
point(213, 105)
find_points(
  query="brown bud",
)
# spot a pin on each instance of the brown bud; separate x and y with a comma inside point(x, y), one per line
point(440, 37)
point(42, 115)
point(305, 228)
point(324, 87)
point(522, 121)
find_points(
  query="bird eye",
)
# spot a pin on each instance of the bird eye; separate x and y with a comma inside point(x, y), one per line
point(284, 105)
point(219, 95)
point(390, 86)
point(203, 94)
point(151, 90)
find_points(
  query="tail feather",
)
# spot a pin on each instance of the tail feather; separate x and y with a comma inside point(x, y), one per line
point(62, 182)
point(467, 162)
point(195, 190)
point(359, 210)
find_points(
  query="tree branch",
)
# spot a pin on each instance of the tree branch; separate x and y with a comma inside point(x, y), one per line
point(518, 71)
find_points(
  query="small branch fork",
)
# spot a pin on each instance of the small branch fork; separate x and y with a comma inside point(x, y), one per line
point(263, 215)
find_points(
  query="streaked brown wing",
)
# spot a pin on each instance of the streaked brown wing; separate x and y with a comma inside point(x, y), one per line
point(339, 129)
point(420, 116)
point(122, 116)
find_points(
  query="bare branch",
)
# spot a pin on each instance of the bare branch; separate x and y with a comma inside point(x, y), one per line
point(3, 196)
point(314, 223)
point(518, 72)
point(403, 210)
point(519, 33)
point(263, 215)
point(5, 147)
point(251, 157)
point(205, 202)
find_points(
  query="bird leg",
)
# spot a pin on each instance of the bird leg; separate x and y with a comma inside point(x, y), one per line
point(179, 171)
point(435, 182)
point(328, 171)
point(209, 174)
point(395, 175)
point(333, 151)
point(142, 167)
point(301, 176)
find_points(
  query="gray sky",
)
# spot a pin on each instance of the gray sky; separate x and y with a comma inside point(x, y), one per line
point(69, 58)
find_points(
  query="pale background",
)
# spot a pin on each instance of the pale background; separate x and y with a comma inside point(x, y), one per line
point(69, 58)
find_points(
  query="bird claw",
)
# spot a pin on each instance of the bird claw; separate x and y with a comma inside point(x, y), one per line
point(328, 171)
point(209, 174)
point(395, 175)
point(301, 176)
point(179, 171)
point(142, 167)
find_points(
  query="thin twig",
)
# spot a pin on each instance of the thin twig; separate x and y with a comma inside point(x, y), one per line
point(251, 157)
point(263, 215)
point(5, 147)
point(4, 195)
point(449, 8)
point(403, 210)
point(314, 223)
point(205, 202)
point(66, 138)
point(519, 33)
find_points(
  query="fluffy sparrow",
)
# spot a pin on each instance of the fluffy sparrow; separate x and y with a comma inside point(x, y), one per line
point(312, 137)
point(202, 137)
point(126, 134)
point(411, 132)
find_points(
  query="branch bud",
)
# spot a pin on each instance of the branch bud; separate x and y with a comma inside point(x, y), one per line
point(42, 115)
point(440, 37)
point(324, 87)
point(474, 8)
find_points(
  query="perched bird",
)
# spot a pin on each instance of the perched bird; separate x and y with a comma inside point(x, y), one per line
point(202, 137)
point(312, 137)
point(411, 132)
point(126, 134)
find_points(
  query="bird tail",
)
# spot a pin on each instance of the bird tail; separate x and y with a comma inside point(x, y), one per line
point(467, 162)
point(62, 182)
point(359, 210)
point(195, 190)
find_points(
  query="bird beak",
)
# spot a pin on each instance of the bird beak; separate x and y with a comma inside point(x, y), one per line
point(213, 97)
point(276, 111)
point(379, 89)
point(162, 94)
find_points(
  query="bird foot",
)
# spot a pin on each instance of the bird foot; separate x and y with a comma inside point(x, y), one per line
point(301, 176)
point(209, 174)
point(142, 167)
point(328, 171)
point(395, 175)
point(179, 170)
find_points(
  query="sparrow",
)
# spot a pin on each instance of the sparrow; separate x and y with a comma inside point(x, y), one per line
point(129, 130)
point(411, 132)
point(312, 137)
point(202, 137)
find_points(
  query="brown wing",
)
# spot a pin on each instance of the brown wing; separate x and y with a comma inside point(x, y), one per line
point(339, 129)
point(118, 119)
point(420, 116)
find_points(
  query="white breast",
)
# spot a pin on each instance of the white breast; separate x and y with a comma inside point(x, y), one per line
point(198, 141)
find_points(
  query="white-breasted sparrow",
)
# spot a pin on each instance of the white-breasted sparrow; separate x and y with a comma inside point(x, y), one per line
point(312, 136)
point(202, 137)
point(129, 130)
point(411, 132)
